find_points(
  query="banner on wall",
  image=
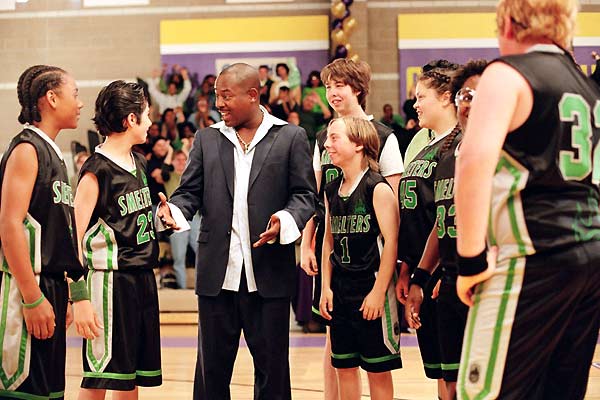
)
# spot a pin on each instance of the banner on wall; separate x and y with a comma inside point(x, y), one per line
point(205, 46)
point(460, 37)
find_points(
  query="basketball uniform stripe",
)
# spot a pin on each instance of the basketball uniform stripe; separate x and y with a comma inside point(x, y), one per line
point(489, 328)
point(101, 249)
point(158, 372)
point(345, 356)
point(507, 219)
point(13, 336)
point(109, 375)
point(33, 235)
point(99, 350)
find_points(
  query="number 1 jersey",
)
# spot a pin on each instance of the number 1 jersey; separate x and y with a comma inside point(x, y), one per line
point(120, 235)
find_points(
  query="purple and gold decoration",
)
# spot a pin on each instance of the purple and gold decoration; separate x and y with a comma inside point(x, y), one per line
point(342, 26)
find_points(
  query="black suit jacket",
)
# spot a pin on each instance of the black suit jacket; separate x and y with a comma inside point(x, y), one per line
point(281, 178)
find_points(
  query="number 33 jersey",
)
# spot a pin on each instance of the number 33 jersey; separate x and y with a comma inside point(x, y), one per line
point(120, 235)
point(545, 189)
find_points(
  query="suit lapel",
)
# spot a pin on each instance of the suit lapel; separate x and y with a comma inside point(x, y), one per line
point(260, 153)
point(226, 156)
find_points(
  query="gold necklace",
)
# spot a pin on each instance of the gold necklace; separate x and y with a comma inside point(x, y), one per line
point(244, 144)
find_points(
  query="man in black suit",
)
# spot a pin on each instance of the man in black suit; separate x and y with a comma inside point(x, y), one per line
point(251, 178)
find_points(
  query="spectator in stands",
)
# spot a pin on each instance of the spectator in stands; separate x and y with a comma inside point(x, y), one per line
point(153, 133)
point(207, 89)
point(156, 184)
point(171, 173)
point(203, 116)
point(265, 84)
point(282, 71)
point(171, 99)
point(187, 130)
point(311, 121)
point(169, 128)
point(412, 119)
point(78, 160)
point(394, 121)
point(284, 104)
point(314, 86)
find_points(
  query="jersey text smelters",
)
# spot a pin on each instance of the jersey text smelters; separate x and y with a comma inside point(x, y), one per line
point(121, 231)
point(50, 222)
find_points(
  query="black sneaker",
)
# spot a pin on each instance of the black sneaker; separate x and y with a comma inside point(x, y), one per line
point(168, 281)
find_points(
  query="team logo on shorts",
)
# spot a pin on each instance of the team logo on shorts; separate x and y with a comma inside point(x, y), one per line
point(474, 373)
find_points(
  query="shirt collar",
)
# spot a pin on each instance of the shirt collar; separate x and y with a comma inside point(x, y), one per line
point(440, 137)
point(266, 124)
point(51, 142)
point(546, 48)
point(128, 168)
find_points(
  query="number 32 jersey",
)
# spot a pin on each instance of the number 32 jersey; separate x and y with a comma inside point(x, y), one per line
point(120, 235)
point(545, 189)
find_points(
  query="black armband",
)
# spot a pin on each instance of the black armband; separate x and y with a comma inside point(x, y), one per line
point(469, 266)
point(420, 278)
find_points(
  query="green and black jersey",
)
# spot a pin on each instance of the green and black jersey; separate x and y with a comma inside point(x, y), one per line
point(416, 202)
point(120, 235)
point(329, 171)
point(443, 192)
point(545, 189)
point(50, 222)
point(357, 241)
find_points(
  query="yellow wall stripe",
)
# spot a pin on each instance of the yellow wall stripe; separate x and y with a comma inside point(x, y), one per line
point(471, 25)
point(259, 29)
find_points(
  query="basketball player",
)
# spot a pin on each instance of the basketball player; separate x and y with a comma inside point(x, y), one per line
point(37, 227)
point(115, 228)
point(527, 180)
point(359, 259)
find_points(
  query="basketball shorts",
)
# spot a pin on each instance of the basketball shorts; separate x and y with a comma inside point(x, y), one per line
point(127, 353)
point(452, 317)
point(428, 334)
point(32, 368)
point(355, 342)
point(532, 330)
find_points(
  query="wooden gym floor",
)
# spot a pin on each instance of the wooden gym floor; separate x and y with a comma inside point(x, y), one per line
point(178, 334)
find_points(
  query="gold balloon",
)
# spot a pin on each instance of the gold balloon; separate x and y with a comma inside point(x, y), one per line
point(349, 25)
point(355, 57)
point(338, 9)
point(338, 36)
point(349, 48)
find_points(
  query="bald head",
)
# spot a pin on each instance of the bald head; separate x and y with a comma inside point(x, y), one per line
point(238, 96)
point(243, 75)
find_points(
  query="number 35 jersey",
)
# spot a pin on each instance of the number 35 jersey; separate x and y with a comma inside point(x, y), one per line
point(545, 189)
point(120, 235)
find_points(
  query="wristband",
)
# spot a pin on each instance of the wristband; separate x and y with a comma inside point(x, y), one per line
point(420, 278)
point(469, 266)
point(35, 303)
point(79, 291)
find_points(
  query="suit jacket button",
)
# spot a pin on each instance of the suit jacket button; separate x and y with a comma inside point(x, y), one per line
point(228, 233)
